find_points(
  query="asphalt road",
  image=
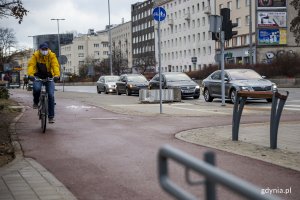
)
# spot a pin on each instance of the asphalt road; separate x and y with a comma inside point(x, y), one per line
point(99, 154)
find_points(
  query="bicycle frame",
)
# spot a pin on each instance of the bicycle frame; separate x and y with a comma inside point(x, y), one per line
point(43, 103)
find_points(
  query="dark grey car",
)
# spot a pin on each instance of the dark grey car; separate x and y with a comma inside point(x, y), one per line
point(107, 84)
point(131, 84)
point(189, 88)
point(235, 80)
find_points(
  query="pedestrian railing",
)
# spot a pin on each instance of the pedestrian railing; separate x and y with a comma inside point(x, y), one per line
point(212, 175)
point(278, 101)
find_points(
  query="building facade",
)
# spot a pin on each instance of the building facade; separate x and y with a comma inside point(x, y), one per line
point(270, 30)
point(92, 45)
point(143, 39)
point(121, 41)
point(185, 40)
point(52, 41)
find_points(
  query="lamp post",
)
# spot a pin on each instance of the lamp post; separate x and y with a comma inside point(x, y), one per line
point(58, 38)
point(57, 20)
point(109, 31)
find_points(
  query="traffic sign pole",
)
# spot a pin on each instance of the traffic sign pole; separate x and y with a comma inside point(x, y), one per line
point(159, 14)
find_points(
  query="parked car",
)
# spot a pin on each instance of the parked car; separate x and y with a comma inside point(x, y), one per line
point(131, 84)
point(189, 88)
point(235, 80)
point(107, 84)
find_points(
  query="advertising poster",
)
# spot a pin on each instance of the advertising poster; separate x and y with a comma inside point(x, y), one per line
point(271, 3)
point(271, 36)
point(271, 19)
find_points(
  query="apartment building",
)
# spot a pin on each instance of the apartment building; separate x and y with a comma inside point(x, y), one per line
point(186, 43)
point(143, 39)
point(270, 30)
point(121, 41)
point(92, 45)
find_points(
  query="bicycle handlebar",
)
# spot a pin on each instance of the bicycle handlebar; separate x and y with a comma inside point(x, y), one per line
point(34, 78)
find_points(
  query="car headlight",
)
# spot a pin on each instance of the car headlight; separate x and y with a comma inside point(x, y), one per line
point(197, 87)
point(130, 85)
point(274, 87)
point(246, 88)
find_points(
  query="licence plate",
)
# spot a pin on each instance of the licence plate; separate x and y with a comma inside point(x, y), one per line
point(188, 91)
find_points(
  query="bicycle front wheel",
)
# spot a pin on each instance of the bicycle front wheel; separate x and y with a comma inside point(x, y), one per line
point(44, 113)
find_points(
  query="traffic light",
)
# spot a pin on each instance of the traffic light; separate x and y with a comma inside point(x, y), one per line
point(227, 24)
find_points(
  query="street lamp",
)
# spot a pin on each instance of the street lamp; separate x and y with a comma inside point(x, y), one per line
point(109, 30)
point(63, 73)
point(57, 20)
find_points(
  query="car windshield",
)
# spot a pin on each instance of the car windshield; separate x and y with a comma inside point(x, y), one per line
point(137, 79)
point(112, 79)
point(177, 77)
point(244, 75)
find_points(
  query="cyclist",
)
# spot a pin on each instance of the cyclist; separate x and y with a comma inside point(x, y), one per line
point(44, 64)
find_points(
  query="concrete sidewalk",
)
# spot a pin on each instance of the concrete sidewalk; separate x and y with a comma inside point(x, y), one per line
point(25, 179)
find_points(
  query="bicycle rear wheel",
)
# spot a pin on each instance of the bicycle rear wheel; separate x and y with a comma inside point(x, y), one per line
point(44, 113)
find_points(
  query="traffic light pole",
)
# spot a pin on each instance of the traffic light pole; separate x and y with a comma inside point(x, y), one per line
point(222, 41)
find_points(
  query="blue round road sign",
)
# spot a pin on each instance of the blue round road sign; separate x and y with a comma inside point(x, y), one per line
point(159, 13)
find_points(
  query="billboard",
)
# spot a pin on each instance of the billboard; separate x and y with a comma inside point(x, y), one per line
point(271, 19)
point(272, 37)
point(271, 3)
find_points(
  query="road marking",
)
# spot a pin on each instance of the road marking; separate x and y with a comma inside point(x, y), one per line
point(106, 118)
point(80, 107)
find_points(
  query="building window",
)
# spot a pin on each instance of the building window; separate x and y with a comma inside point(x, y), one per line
point(238, 4)
point(247, 19)
point(81, 55)
point(80, 47)
point(96, 45)
point(229, 4)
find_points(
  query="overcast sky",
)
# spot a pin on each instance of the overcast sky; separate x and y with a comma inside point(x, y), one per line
point(80, 16)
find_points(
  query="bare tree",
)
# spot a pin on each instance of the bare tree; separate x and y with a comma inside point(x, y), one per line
point(7, 41)
point(12, 8)
point(295, 23)
point(120, 62)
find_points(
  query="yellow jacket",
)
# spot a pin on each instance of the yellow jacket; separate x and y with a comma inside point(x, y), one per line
point(49, 60)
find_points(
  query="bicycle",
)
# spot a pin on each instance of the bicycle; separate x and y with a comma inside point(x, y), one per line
point(43, 103)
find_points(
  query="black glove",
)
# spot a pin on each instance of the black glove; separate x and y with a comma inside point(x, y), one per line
point(56, 79)
point(32, 78)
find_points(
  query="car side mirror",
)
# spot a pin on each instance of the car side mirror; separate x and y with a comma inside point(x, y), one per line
point(226, 79)
point(263, 77)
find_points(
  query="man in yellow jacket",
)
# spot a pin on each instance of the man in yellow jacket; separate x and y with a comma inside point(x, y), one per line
point(42, 65)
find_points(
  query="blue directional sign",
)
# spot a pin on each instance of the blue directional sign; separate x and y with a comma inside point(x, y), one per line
point(159, 13)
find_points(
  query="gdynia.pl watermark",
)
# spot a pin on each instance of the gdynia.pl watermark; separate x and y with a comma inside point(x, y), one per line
point(276, 190)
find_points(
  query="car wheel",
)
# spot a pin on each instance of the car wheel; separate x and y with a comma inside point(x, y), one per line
point(98, 91)
point(196, 97)
point(269, 100)
point(233, 96)
point(128, 92)
point(207, 96)
point(117, 91)
point(105, 90)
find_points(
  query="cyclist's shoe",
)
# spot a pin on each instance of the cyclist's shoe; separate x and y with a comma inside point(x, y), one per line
point(51, 120)
point(35, 106)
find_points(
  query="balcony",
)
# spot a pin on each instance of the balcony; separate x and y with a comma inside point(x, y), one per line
point(187, 16)
point(207, 10)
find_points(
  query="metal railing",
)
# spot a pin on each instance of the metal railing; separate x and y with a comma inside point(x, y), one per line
point(212, 174)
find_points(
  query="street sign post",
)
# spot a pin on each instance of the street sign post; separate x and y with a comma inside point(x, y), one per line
point(159, 14)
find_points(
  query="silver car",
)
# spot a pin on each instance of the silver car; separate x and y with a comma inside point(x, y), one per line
point(107, 84)
point(235, 80)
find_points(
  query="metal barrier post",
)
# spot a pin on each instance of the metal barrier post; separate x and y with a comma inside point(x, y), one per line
point(275, 116)
point(237, 113)
point(209, 157)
